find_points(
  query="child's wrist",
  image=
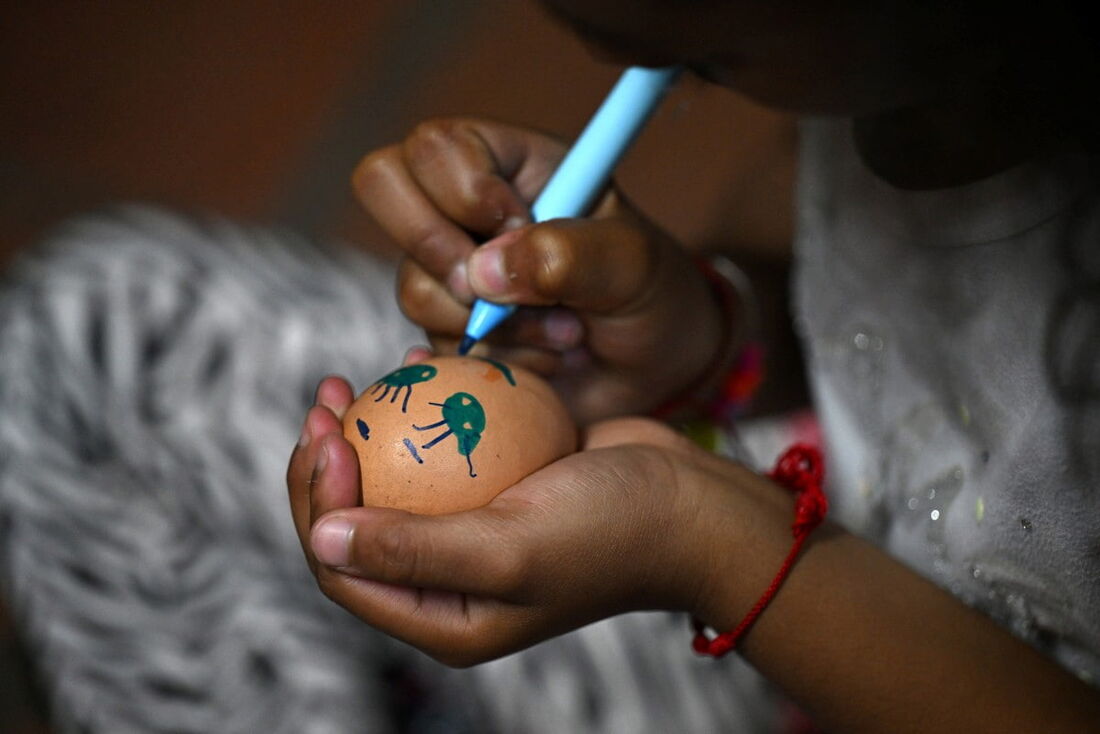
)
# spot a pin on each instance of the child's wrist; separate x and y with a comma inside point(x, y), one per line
point(747, 535)
point(800, 471)
point(725, 386)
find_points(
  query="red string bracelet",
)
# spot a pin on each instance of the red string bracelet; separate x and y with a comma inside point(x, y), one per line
point(801, 470)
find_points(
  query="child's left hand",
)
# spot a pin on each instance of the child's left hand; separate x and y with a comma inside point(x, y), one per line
point(631, 521)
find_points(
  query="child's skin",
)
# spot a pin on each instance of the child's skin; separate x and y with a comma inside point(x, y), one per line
point(640, 518)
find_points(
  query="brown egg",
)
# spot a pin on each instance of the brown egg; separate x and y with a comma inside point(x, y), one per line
point(451, 433)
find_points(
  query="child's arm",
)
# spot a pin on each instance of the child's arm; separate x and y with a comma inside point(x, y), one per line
point(642, 519)
point(868, 645)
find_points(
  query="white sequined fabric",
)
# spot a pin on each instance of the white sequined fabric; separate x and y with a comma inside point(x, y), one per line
point(954, 346)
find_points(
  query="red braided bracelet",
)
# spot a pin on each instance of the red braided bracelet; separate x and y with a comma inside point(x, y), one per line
point(801, 470)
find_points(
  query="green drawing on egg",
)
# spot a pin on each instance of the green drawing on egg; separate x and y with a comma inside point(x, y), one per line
point(464, 417)
point(403, 378)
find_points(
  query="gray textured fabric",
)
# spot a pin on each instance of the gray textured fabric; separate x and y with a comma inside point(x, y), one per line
point(954, 342)
point(154, 372)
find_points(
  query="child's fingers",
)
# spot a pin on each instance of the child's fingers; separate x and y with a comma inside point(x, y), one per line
point(301, 472)
point(416, 355)
point(455, 628)
point(427, 302)
point(336, 480)
point(336, 394)
point(465, 552)
point(595, 265)
point(548, 328)
point(523, 157)
point(450, 178)
point(388, 192)
point(454, 166)
point(631, 430)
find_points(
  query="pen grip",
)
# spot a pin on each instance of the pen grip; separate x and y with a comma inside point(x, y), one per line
point(583, 173)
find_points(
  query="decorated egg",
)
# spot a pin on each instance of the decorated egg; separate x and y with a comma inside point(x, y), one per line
point(451, 433)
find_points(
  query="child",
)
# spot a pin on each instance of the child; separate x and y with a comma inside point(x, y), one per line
point(945, 290)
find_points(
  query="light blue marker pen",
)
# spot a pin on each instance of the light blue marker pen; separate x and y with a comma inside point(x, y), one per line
point(584, 172)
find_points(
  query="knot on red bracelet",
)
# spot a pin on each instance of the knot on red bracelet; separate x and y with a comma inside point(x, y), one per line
point(801, 470)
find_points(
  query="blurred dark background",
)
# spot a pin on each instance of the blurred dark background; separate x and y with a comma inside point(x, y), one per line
point(258, 111)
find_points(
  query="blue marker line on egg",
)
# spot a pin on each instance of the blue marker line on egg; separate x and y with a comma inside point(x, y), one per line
point(412, 450)
point(364, 429)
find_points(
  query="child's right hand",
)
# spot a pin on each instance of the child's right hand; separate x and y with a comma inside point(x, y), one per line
point(626, 320)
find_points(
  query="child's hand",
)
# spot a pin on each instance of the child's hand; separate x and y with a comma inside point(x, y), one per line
point(632, 521)
point(626, 319)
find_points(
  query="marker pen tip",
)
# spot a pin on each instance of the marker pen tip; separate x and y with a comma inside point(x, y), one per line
point(466, 345)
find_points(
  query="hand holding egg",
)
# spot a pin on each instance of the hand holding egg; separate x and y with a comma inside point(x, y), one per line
point(611, 527)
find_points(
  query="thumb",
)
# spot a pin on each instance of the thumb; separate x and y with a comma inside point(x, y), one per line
point(464, 552)
point(596, 265)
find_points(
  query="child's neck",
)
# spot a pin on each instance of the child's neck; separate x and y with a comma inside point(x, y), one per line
point(970, 132)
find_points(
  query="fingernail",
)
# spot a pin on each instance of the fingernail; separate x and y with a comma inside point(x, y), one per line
point(487, 272)
point(322, 458)
point(562, 329)
point(512, 222)
point(458, 283)
point(330, 540)
point(327, 401)
point(418, 353)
